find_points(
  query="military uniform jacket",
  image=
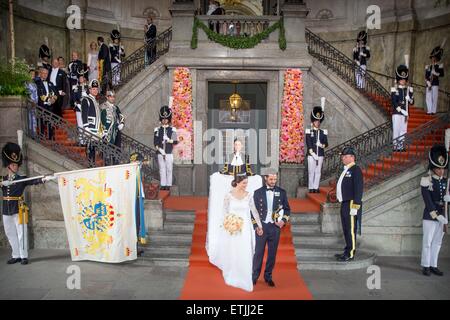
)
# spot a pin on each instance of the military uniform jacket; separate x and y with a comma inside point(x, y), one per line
point(47, 66)
point(361, 54)
point(398, 97)
point(158, 138)
point(433, 191)
point(44, 94)
point(90, 114)
point(75, 67)
point(433, 72)
point(79, 92)
point(111, 117)
point(311, 141)
point(11, 207)
point(230, 169)
point(279, 199)
point(117, 53)
point(352, 187)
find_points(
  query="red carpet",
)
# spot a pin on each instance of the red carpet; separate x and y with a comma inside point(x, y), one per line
point(205, 282)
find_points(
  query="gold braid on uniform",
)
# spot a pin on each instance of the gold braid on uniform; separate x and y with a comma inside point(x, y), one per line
point(354, 206)
point(248, 168)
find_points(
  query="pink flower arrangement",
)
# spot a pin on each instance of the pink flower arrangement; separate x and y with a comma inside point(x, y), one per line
point(182, 112)
point(292, 135)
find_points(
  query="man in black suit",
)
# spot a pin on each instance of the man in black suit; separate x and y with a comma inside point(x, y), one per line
point(349, 192)
point(150, 39)
point(48, 95)
point(273, 207)
point(104, 62)
point(58, 78)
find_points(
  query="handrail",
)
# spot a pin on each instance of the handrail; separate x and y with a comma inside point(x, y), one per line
point(141, 58)
point(76, 140)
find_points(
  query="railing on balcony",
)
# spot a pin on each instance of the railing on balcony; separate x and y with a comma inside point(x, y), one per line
point(141, 58)
point(347, 70)
point(71, 141)
point(245, 26)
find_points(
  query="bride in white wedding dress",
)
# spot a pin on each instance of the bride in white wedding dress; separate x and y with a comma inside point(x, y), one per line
point(220, 186)
point(236, 239)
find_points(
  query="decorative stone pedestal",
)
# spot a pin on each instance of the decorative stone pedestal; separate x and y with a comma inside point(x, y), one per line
point(330, 218)
point(289, 176)
point(154, 215)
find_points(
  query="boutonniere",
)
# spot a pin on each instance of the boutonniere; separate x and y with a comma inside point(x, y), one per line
point(348, 174)
point(277, 194)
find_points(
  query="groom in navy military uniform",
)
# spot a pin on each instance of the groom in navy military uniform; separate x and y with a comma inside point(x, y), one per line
point(272, 204)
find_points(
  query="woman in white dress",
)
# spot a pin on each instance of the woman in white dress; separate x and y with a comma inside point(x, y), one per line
point(219, 186)
point(93, 61)
point(237, 235)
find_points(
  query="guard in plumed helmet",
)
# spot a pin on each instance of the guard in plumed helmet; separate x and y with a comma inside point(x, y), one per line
point(349, 192)
point(316, 142)
point(15, 211)
point(165, 137)
point(361, 54)
point(90, 116)
point(402, 97)
point(113, 122)
point(117, 52)
point(44, 56)
point(434, 194)
point(433, 72)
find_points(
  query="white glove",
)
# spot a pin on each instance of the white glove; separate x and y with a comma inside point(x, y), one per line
point(162, 151)
point(314, 155)
point(48, 178)
point(358, 63)
point(120, 127)
point(353, 212)
point(428, 84)
point(6, 183)
point(442, 219)
point(321, 145)
point(404, 112)
point(447, 198)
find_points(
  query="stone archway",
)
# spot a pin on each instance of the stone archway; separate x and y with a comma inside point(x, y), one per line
point(243, 7)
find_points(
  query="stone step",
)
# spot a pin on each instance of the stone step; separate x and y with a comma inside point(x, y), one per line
point(317, 250)
point(169, 249)
point(161, 237)
point(297, 218)
point(303, 228)
point(180, 216)
point(179, 227)
point(164, 260)
point(316, 239)
point(362, 260)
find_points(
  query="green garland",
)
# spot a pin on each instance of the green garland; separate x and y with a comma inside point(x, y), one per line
point(238, 42)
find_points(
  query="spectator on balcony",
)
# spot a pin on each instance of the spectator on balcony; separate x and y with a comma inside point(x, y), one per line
point(150, 41)
point(93, 61)
point(117, 52)
point(113, 122)
point(59, 79)
point(47, 94)
point(361, 53)
point(104, 64)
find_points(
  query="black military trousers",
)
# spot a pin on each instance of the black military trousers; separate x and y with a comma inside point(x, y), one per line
point(271, 237)
point(349, 227)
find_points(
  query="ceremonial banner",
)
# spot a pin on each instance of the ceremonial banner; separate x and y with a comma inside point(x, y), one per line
point(99, 212)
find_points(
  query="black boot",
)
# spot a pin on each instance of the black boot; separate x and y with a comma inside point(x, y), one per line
point(24, 261)
point(426, 271)
point(436, 271)
point(13, 260)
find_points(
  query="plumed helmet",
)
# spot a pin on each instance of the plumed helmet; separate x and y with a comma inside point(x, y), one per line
point(115, 34)
point(437, 53)
point(11, 153)
point(44, 51)
point(437, 157)
point(94, 83)
point(165, 113)
point(362, 36)
point(348, 151)
point(402, 72)
point(317, 114)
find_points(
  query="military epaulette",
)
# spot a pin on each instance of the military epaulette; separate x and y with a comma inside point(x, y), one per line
point(427, 67)
point(441, 66)
point(325, 132)
point(111, 45)
point(394, 89)
point(355, 49)
point(308, 131)
point(425, 182)
point(367, 48)
point(156, 129)
point(174, 129)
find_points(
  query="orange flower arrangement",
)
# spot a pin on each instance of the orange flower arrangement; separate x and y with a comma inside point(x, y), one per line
point(292, 135)
point(182, 112)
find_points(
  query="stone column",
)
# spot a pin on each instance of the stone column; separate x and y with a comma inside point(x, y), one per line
point(182, 21)
point(294, 13)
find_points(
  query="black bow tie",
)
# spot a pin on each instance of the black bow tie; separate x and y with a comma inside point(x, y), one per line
point(270, 189)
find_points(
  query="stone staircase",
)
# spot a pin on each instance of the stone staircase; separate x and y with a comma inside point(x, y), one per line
point(171, 246)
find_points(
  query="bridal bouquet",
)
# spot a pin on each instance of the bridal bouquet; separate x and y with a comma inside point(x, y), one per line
point(233, 224)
